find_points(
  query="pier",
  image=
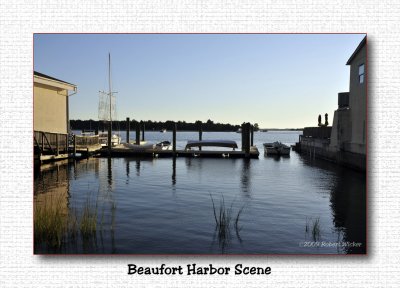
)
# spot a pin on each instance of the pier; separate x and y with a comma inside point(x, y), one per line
point(84, 146)
point(158, 153)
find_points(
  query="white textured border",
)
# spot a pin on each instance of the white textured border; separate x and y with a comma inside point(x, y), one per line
point(19, 19)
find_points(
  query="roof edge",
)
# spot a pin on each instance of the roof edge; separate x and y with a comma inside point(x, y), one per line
point(359, 47)
point(35, 73)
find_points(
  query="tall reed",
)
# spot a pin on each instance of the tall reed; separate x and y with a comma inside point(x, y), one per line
point(224, 220)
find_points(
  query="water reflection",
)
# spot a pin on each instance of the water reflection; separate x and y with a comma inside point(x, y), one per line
point(173, 171)
point(133, 205)
point(245, 177)
point(347, 202)
point(66, 222)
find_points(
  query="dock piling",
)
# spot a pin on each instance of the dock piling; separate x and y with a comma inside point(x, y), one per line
point(57, 145)
point(128, 128)
point(74, 146)
point(200, 133)
point(143, 128)
point(246, 139)
point(174, 138)
point(109, 137)
point(138, 133)
point(243, 138)
point(251, 135)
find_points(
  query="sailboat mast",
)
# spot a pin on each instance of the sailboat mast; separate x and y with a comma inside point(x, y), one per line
point(110, 94)
point(109, 84)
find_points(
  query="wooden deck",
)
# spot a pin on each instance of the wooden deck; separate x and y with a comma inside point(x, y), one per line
point(158, 153)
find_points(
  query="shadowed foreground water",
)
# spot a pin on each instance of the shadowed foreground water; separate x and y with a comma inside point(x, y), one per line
point(277, 205)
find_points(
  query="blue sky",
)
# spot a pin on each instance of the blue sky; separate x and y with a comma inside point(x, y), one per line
point(276, 80)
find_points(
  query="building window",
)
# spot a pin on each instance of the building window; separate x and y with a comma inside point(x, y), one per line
point(361, 73)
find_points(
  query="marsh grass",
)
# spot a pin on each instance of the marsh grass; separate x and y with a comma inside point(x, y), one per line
point(56, 226)
point(316, 231)
point(88, 220)
point(313, 227)
point(225, 219)
point(50, 224)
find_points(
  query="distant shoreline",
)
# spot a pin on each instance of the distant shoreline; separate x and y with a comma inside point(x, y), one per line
point(208, 126)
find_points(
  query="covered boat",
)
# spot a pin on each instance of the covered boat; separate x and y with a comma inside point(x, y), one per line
point(211, 143)
point(276, 148)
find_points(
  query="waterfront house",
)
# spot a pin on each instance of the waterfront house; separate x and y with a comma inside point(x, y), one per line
point(349, 127)
point(51, 116)
point(344, 142)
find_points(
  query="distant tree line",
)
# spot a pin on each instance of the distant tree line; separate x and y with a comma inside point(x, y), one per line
point(156, 125)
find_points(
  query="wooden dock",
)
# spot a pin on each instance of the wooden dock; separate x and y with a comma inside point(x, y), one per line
point(158, 153)
point(88, 145)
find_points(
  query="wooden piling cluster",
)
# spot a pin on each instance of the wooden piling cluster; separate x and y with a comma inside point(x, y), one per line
point(139, 129)
point(128, 128)
point(247, 138)
point(246, 151)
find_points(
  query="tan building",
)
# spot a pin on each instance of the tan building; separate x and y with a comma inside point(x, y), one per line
point(51, 116)
point(349, 125)
point(344, 142)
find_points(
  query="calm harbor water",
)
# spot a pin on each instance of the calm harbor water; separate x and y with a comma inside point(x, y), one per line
point(278, 205)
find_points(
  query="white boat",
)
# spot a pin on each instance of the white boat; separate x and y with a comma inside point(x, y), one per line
point(142, 147)
point(276, 148)
point(163, 130)
point(211, 143)
point(164, 145)
point(103, 139)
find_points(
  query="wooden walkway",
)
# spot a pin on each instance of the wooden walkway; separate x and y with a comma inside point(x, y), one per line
point(158, 153)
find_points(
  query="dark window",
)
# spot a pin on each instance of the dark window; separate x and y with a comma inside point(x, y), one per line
point(361, 73)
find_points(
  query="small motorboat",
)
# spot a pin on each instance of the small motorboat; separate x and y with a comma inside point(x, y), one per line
point(103, 139)
point(276, 148)
point(164, 145)
point(163, 130)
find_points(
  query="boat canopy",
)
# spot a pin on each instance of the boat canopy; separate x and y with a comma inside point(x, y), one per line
point(214, 143)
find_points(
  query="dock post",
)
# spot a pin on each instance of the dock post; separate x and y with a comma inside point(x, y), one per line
point(74, 146)
point(57, 145)
point(243, 128)
point(200, 133)
point(109, 138)
point(143, 128)
point(138, 133)
point(128, 128)
point(174, 139)
point(251, 135)
point(247, 140)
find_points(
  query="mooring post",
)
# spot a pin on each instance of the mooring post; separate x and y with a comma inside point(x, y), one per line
point(128, 128)
point(109, 137)
point(200, 133)
point(138, 133)
point(42, 141)
point(174, 139)
point(243, 138)
point(143, 128)
point(251, 135)
point(57, 145)
point(74, 146)
point(247, 140)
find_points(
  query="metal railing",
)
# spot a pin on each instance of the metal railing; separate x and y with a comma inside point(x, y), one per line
point(86, 140)
point(50, 143)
